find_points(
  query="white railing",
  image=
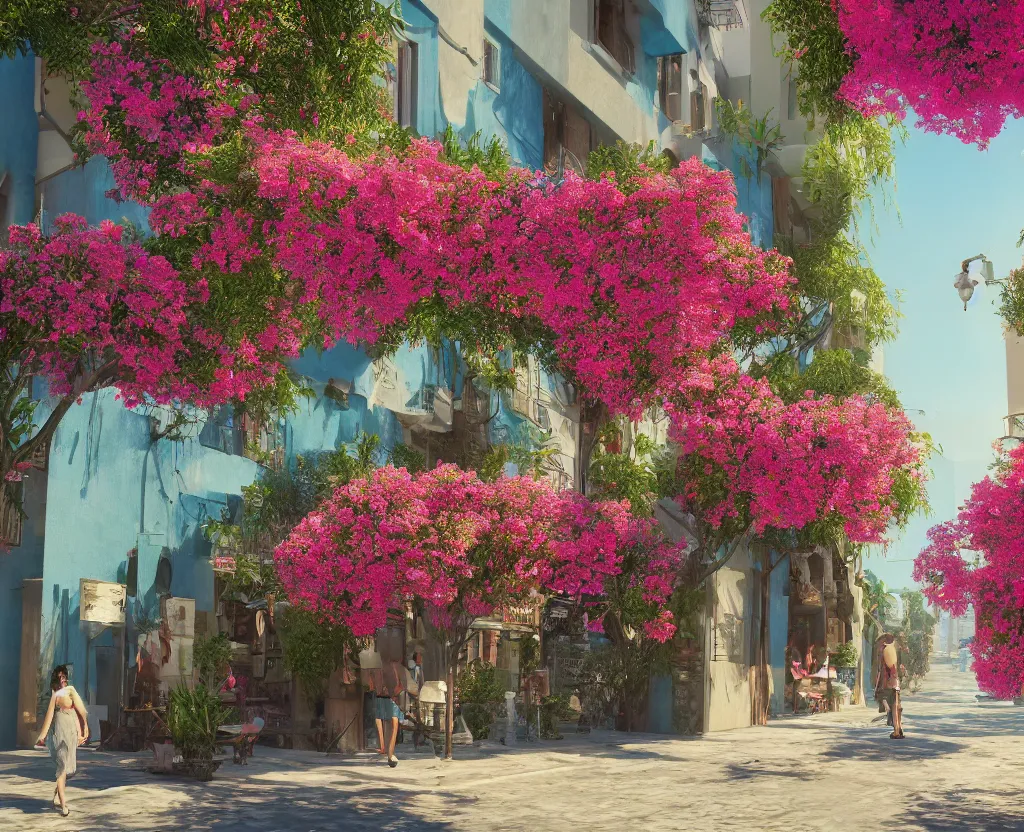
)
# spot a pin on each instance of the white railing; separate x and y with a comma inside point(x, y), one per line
point(1013, 426)
point(720, 14)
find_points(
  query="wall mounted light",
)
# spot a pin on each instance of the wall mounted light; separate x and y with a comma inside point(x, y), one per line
point(964, 283)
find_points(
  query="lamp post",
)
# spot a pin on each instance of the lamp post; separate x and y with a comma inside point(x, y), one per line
point(964, 283)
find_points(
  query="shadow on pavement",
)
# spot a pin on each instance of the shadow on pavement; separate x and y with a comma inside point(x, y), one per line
point(977, 722)
point(224, 807)
point(963, 810)
point(306, 808)
point(752, 771)
point(26, 805)
point(881, 748)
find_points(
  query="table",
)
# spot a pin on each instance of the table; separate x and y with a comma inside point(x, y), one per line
point(153, 728)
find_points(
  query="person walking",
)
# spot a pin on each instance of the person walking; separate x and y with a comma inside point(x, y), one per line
point(70, 728)
point(890, 678)
point(386, 684)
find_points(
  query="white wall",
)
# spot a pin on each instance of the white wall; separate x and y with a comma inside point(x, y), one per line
point(463, 21)
point(728, 662)
point(1014, 374)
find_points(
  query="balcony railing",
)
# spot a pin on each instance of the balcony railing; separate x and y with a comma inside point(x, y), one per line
point(720, 14)
point(1013, 426)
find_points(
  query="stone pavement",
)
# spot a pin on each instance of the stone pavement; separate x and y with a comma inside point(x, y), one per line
point(960, 768)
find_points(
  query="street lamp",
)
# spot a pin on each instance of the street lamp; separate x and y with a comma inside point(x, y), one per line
point(964, 283)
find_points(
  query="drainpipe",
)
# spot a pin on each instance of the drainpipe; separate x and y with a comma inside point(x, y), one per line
point(462, 50)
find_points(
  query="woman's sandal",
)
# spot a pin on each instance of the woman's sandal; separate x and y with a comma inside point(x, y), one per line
point(393, 762)
point(65, 812)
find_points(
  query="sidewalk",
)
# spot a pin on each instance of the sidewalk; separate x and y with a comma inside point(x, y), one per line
point(960, 769)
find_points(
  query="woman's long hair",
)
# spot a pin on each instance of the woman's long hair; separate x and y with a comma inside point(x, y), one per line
point(59, 675)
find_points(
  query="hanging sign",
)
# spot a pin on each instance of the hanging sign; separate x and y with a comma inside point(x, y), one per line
point(101, 602)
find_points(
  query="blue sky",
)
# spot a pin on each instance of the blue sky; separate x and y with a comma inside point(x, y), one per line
point(954, 202)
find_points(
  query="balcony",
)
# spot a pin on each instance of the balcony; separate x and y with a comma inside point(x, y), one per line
point(1013, 426)
point(721, 14)
point(525, 618)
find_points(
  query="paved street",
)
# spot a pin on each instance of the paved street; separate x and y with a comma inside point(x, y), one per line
point(960, 768)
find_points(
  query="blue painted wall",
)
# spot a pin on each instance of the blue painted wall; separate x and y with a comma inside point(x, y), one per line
point(498, 13)
point(17, 565)
point(659, 705)
point(82, 191)
point(19, 138)
point(515, 112)
point(421, 29)
point(666, 27)
point(112, 489)
point(753, 198)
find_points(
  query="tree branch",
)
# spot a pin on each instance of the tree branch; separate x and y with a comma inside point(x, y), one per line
point(105, 372)
point(718, 564)
point(772, 569)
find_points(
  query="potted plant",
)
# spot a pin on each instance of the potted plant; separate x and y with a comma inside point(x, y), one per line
point(194, 714)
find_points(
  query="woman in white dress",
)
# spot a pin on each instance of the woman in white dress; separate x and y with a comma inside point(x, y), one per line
point(66, 715)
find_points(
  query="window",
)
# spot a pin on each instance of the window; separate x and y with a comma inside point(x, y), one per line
point(792, 101)
point(700, 104)
point(670, 86)
point(610, 31)
point(405, 83)
point(564, 129)
point(262, 442)
point(492, 64)
point(782, 206)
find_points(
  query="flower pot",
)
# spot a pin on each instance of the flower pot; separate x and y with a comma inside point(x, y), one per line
point(201, 770)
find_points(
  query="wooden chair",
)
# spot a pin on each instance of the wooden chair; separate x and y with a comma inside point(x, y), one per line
point(242, 740)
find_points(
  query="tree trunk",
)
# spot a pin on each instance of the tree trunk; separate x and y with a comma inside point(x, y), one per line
point(592, 416)
point(761, 657)
point(449, 723)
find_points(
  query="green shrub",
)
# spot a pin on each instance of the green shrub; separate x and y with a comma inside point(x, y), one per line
point(553, 710)
point(211, 656)
point(193, 717)
point(480, 694)
point(845, 655)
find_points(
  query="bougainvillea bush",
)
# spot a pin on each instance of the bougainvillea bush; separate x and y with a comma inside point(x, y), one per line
point(957, 63)
point(978, 560)
point(458, 548)
point(748, 461)
point(290, 216)
point(288, 211)
point(462, 548)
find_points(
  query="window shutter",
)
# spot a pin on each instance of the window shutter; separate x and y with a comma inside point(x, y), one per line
point(577, 137)
point(780, 206)
point(697, 110)
point(554, 129)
